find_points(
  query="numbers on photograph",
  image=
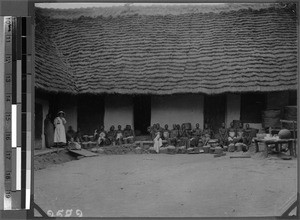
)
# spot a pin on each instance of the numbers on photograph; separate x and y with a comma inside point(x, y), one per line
point(64, 213)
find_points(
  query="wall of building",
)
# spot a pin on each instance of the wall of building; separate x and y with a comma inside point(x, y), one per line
point(118, 111)
point(177, 109)
point(45, 104)
point(233, 109)
point(70, 108)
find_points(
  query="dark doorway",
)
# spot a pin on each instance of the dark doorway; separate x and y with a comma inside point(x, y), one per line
point(38, 125)
point(141, 114)
point(214, 111)
point(90, 113)
point(252, 105)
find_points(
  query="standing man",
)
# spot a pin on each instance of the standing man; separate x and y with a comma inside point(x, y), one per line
point(48, 131)
point(60, 132)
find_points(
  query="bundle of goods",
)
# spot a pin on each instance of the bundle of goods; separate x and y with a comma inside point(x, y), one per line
point(271, 118)
point(187, 126)
point(218, 150)
point(231, 148)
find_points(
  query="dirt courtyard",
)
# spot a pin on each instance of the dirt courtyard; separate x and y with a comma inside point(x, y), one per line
point(181, 185)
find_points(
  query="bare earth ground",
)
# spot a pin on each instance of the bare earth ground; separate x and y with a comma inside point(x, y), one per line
point(181, 185)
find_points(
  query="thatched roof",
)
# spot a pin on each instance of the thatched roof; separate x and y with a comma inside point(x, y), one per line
point(237, 51)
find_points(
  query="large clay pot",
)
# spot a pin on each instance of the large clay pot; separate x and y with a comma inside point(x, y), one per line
point(284, 134)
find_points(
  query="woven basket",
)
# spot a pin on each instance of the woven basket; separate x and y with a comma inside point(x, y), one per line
point(271, 122)
point(275, 113)
point(218, 150)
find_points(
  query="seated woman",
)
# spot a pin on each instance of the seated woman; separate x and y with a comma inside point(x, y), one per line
point(166, 134)
point(196, 136)
point(231, 133)
point(159, 128)
point(249, 133)
point(119, 135)
point(128, 135)
point(174, 134)
point(222, 136)
point(70, 133)
point(73, 145)
point(152, 131)
point(112, 134)
point(184, 137)
point(78, 136)
point(102, 138)
point(239, 133)
point(206, 134)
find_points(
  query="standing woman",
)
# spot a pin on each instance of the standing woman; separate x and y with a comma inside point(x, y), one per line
point(60, 133)
point(48, 131)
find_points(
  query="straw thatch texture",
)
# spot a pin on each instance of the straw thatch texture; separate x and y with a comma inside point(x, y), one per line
point(237, 51)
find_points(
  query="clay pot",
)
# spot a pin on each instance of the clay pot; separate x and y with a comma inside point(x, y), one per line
point(284, 134)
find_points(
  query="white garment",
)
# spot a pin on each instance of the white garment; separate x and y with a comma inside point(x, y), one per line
point(157, 143)
point(59, 133)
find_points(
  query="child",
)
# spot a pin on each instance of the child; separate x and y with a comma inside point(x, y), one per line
point(73, 145)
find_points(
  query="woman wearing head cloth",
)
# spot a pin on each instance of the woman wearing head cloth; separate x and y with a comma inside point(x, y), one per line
point(157, 142)
point(48, 131)
point(60, 133)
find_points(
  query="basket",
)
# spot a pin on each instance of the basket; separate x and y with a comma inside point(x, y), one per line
point(218, 150)
point(273, 113)
point(271, 122)
point(206, 149)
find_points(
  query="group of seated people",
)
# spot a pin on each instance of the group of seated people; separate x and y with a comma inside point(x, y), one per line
point(182, 136)
point(177, 136)
point(103, 137)
point(114, 136)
